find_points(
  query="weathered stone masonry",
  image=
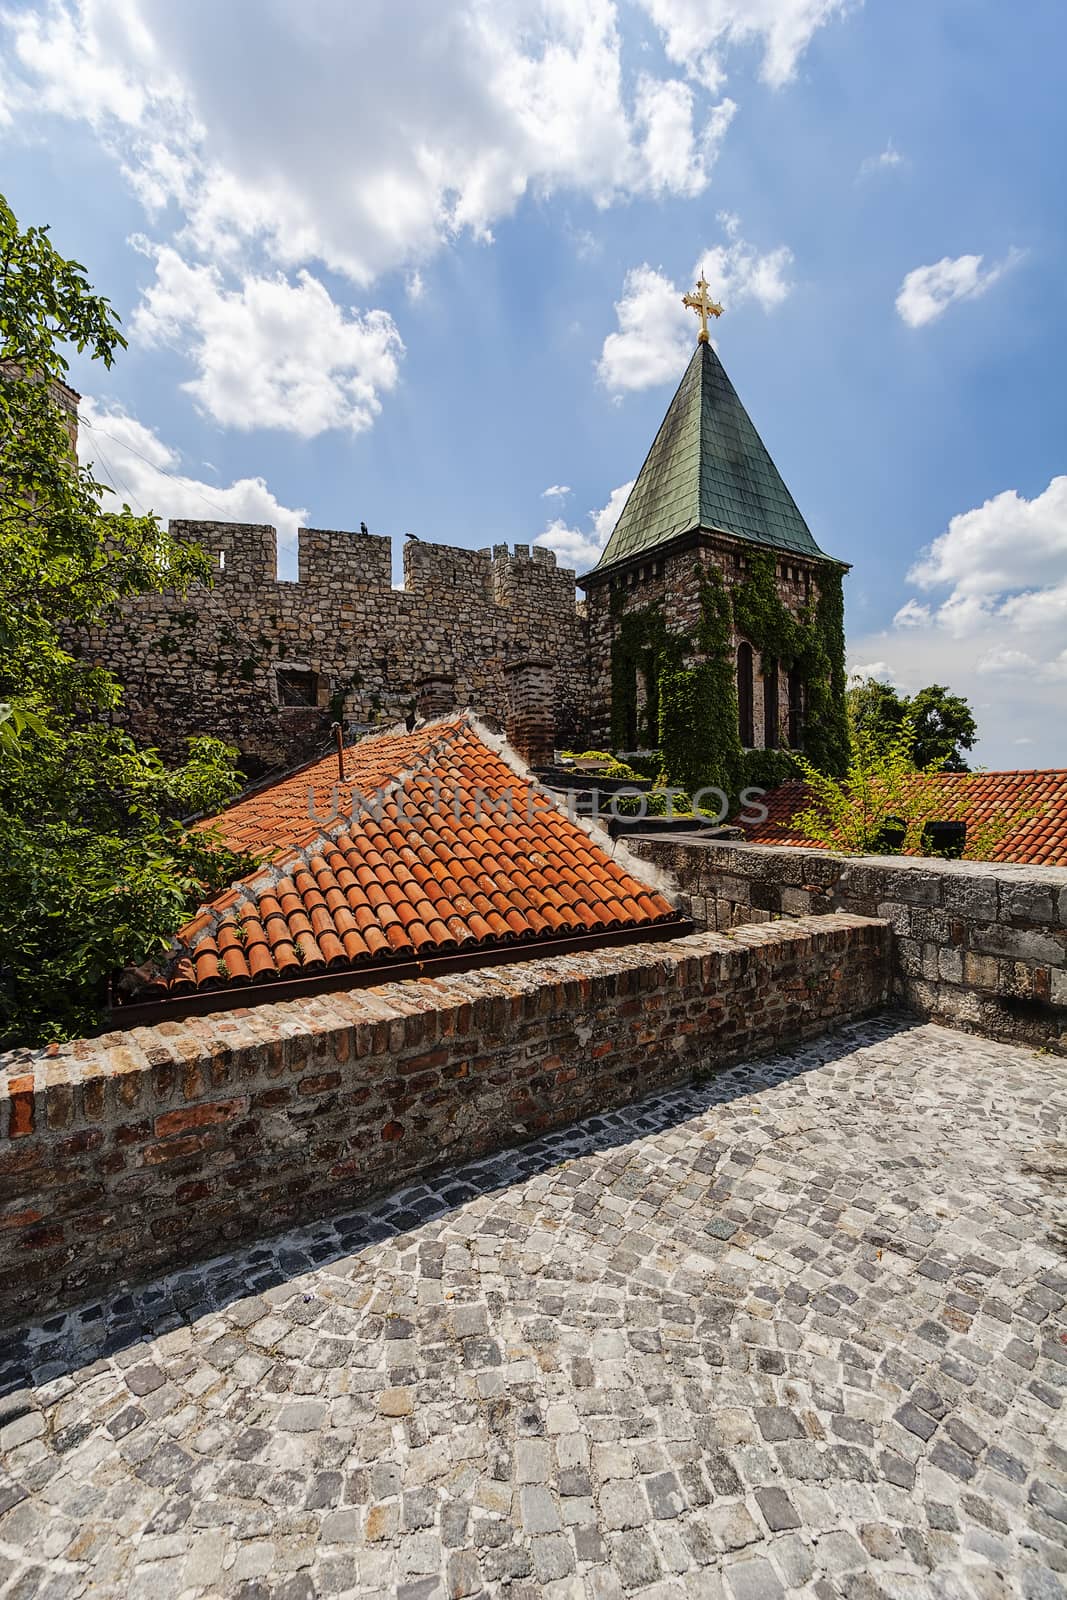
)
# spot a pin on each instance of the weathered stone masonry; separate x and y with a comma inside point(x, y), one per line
point(142, 1151)
point(670, 579)
point(216, 660)
point(979, 945)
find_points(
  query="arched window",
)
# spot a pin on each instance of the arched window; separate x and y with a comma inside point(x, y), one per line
point(744, 696)
point(796, 709)
point(770, 704)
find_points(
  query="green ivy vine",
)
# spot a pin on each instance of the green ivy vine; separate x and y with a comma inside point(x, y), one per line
point(690, 711)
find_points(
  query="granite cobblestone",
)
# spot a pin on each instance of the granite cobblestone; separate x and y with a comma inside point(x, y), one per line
point(549, 1375)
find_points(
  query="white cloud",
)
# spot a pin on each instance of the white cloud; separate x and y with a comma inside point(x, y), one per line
point(911, 615)
point(1005, 660)
point(415, 286)
point(995, 631)
point(697, 33)
point(1013, 704)
point(656, 333)
point(271, 353)
point(860, 671)
point(146, 473)
point(1005, 546)
point(884, 161)
point(739, 272)
point(927, 292)
point(653, 341)
point(368, 135)
point(582, 549)
point(556, 491)
point(80, 61)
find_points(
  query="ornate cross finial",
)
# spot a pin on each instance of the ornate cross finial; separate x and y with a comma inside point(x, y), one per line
point(703, 307)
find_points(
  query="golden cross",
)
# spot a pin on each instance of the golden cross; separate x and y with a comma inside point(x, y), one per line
point(703, 307)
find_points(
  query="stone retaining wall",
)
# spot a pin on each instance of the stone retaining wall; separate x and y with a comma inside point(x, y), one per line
point(143, 1151)
point(979, 945)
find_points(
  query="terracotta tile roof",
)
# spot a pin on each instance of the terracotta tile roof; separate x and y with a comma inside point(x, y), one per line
point(453, 850)
point(1037, 840)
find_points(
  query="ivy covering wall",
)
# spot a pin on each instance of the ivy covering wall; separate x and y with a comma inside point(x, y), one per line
point(690, 709)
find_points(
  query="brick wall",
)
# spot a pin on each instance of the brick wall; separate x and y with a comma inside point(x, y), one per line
point(208, 662)
point(979, 945)
point(531, 721)
point(142, 1151)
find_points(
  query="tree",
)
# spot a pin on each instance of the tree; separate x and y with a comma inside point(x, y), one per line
point(874, 708)
point(885, 803)
point(97, 871)
point(942, 722)
point(944, 728)
point(878, 807)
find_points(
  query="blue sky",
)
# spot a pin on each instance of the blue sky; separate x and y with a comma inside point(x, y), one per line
point(420, 264)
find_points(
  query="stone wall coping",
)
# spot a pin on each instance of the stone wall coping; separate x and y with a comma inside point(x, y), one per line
point(405, 1006)
point(1054, 877)
point(981, 945)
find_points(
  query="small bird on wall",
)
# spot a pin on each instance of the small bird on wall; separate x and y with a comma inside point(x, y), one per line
point(413, 537)
point(363, 528)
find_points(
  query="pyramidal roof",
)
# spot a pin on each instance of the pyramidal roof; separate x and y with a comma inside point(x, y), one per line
point(708, 468)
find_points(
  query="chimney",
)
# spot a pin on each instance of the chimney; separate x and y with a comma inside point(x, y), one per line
point(531, 721)
point(435, 696)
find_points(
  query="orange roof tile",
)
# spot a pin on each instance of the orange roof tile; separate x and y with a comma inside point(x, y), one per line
point(433, 845)
point(1038, 839)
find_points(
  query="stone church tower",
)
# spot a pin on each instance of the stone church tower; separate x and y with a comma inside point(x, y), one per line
point(715, 622)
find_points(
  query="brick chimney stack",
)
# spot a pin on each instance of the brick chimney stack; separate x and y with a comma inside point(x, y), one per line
point(435, 696)
point(531, 724)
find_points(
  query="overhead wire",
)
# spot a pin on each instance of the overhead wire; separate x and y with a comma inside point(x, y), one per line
point(184, 483)
point(119, 484)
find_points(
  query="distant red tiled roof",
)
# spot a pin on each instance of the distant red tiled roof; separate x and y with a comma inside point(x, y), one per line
point(1037, 840)
point(467, 854)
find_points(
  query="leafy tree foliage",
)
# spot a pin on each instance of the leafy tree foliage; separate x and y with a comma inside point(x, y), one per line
point(97, 870)
point(944, 727)
point(942, 723)
point(885, 802)
point(878, 798)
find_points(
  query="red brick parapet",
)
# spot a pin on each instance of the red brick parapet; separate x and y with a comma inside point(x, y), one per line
point(140, 1152)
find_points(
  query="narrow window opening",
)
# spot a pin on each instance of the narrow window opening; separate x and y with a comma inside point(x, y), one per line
point(744, 696)
point(632, 708)
point(770, 705)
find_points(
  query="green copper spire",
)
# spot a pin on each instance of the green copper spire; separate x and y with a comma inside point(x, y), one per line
point(708, 468)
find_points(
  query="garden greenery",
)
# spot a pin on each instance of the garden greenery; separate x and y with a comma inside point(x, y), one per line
point(97, 870)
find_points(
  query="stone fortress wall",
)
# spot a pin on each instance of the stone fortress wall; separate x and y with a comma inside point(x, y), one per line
point(224, 660)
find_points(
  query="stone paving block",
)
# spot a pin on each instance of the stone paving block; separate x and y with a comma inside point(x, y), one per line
point(778, 1512)
point(754, 1580)
point(546, 1378)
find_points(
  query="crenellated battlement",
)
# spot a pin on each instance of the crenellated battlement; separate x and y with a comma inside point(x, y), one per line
point(331, 558)
point(268, 662)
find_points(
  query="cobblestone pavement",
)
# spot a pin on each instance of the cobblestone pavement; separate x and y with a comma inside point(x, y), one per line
point(800, 1328)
